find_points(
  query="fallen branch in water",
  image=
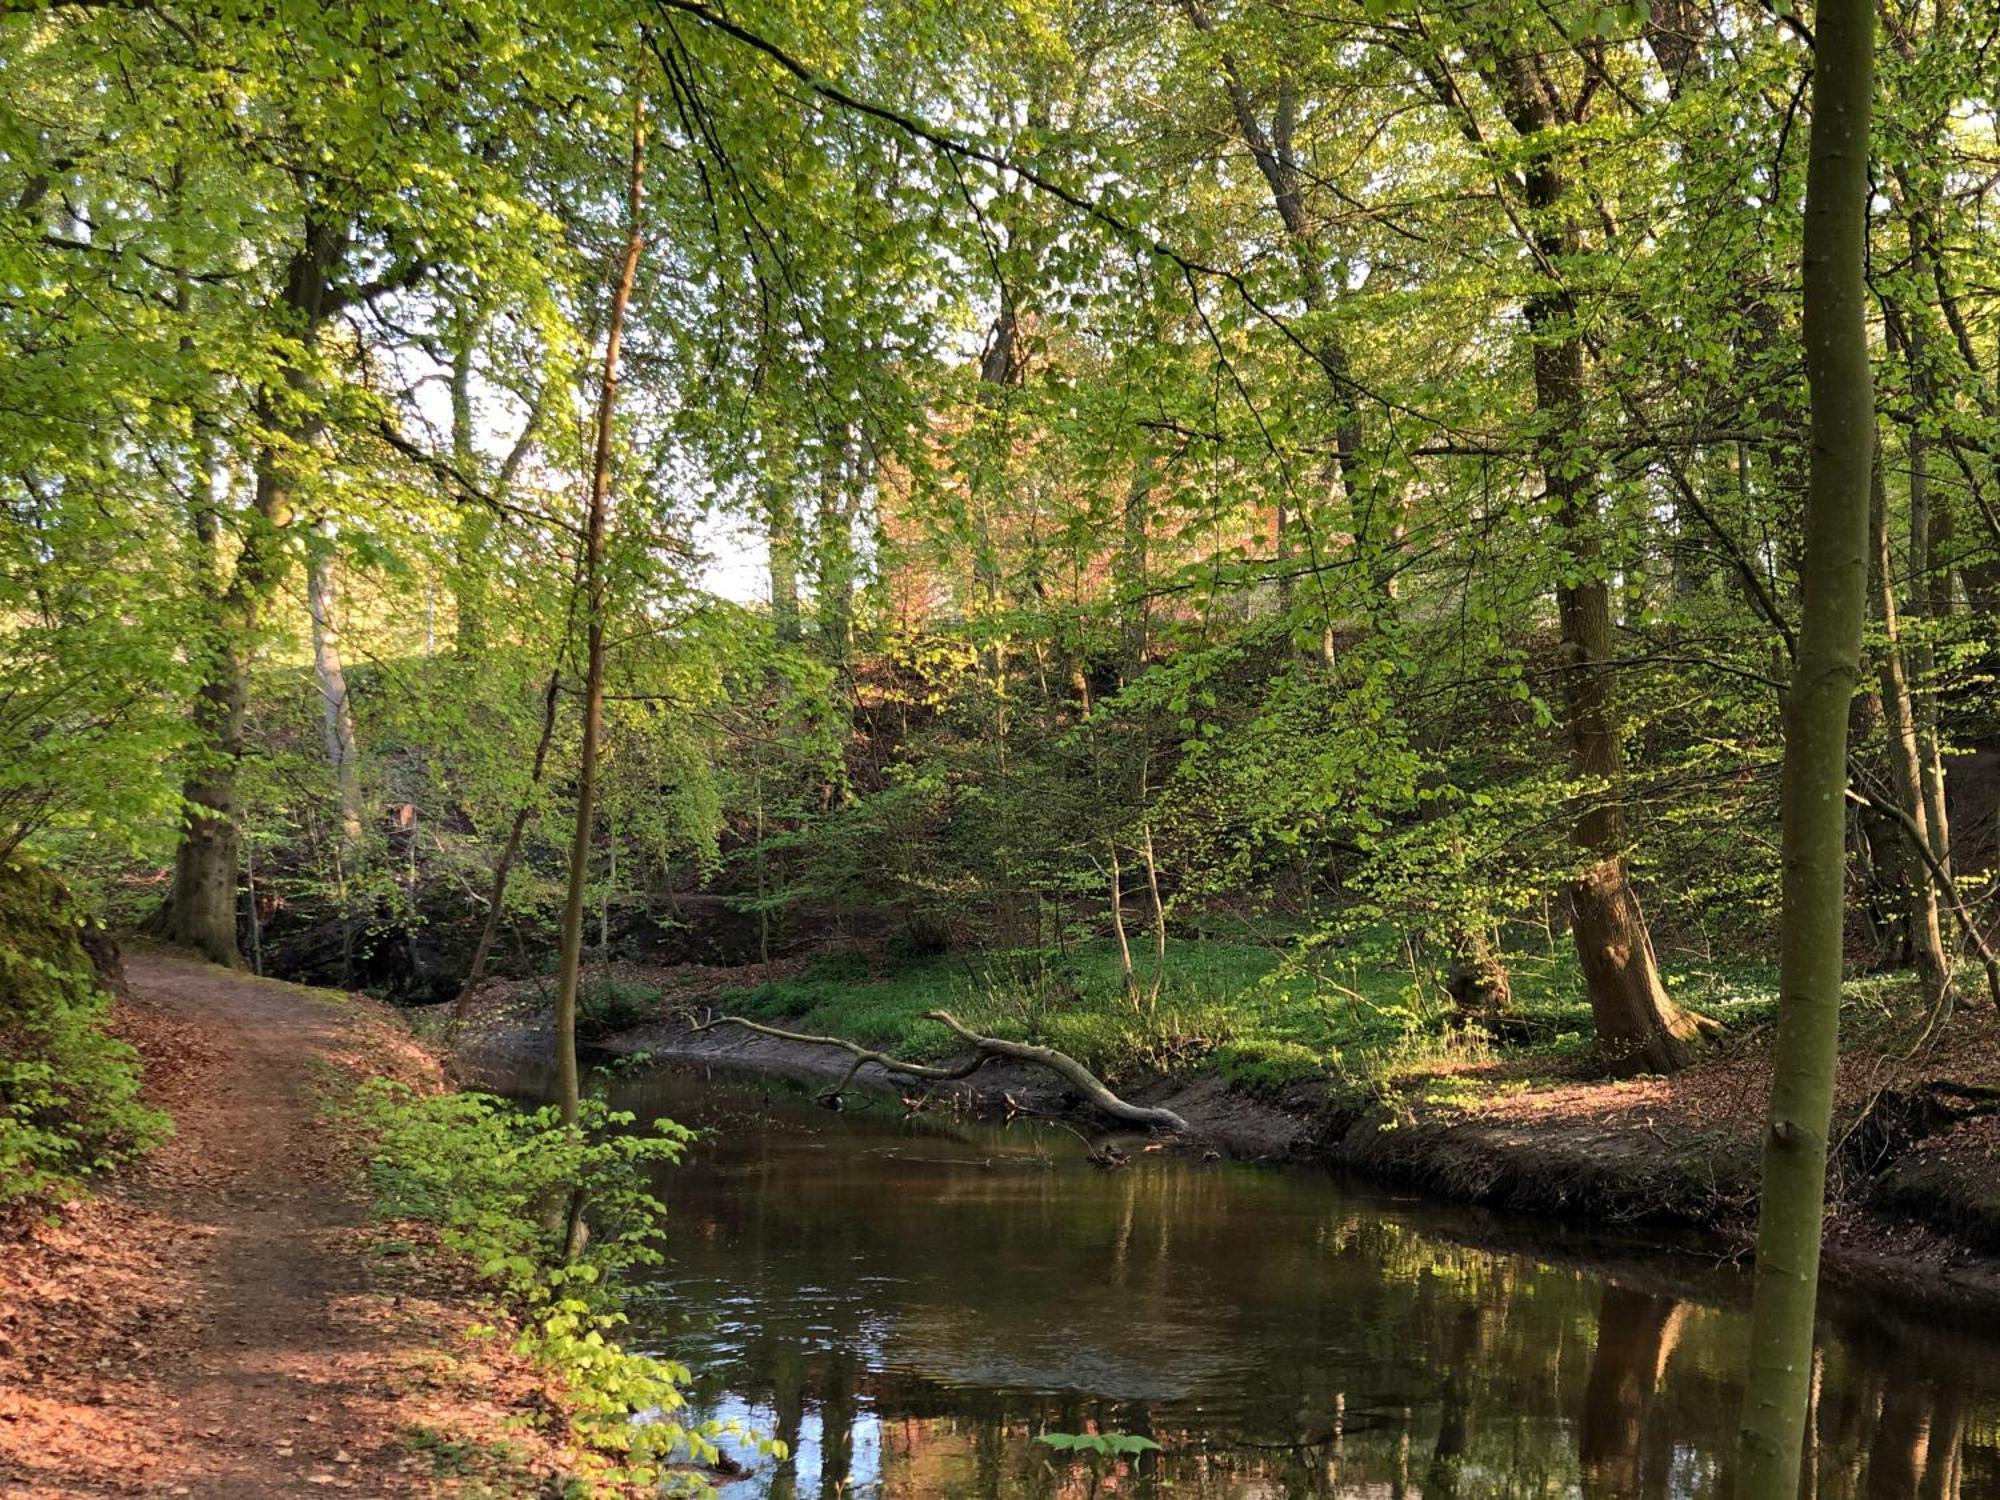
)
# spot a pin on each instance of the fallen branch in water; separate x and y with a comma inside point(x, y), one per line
point(987, 1048)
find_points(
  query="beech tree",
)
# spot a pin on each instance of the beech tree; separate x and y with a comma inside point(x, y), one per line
point(1834, 594)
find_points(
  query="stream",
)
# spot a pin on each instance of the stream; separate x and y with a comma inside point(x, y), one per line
point(908, 1302)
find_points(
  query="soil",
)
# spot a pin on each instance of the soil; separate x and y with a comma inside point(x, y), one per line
point(1914, 1207)
point(225, 1321)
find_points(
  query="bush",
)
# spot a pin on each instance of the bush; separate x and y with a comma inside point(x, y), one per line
point(605, 1005)
point(69, 1091)
point(500, 1183)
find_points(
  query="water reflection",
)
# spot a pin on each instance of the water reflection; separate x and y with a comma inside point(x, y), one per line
point(907, 1304)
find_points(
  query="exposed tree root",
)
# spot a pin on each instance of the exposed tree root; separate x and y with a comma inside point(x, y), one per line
point(987, 1048)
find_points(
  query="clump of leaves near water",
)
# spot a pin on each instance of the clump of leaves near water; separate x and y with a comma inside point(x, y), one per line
point(498, 1182)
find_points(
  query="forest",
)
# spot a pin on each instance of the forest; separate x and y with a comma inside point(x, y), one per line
point(1405, 586)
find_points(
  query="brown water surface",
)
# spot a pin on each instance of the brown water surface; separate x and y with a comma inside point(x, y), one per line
point(908, 1303)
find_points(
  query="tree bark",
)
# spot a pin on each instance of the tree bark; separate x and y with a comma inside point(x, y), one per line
point(1930, 589)
point(496, 896)
point(336, 711)
point(834, 570)
point(1639, 1028)
point(1920, 892)
point(596, 590)
point(781, 535)
point(1133, 565)
point(1834, 591)
point(200, 910)
point(1344, 475)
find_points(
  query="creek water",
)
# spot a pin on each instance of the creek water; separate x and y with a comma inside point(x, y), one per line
point(908, 1303)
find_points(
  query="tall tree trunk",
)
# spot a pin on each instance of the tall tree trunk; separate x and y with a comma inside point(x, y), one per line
point(475, 526)
point(595, 589)
point(1639, 1028)
point(1930, 590)
point(200, 910)
point(1344, 476)
point(503, 867)
point(1920, 893)
point(834, 573)
point(336, 712)
point(1132, 566)
point(1834, 591)
point(781, 535)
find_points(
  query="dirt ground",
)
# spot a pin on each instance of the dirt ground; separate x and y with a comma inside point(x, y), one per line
point(224, 1321)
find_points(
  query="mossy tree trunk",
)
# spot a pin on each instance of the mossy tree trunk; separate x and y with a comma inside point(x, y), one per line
point(1834, 591)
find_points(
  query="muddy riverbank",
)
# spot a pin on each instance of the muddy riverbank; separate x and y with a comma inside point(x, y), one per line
point(1915, 1197)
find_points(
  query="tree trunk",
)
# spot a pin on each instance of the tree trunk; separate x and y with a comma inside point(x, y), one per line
point(1344, 476)
point(475, 527)
point(1834, 591)
point(596, 586)
point(1919, 892)
point(781, 534)
point(1478, 984)
point(1133, 565)
point(200, 910)
point(834, 580)
point(1639, 1028)
point(336, 712)
point(1930, 592)
point(496, 897)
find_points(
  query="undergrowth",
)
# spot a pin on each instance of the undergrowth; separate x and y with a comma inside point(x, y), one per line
point(498, 1182)
point(69, 1090)
point(1257, 1014)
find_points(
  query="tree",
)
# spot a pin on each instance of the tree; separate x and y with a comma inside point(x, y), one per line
point(1834, 594)
point(596, 604)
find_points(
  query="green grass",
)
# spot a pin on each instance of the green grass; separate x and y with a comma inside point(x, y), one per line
point(1238, 1007)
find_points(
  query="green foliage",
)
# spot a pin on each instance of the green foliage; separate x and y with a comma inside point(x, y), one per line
point(605, 1005)
point(501, 1184)
point(69, 1090)
point(1100, 1450)
point(1103, 1444)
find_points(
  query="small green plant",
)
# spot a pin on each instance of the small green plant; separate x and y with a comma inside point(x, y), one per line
point(1102, 1451)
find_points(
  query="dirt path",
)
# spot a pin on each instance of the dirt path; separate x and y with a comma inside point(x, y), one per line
point(259, 1339)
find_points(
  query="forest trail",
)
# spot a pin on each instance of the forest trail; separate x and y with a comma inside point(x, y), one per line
point(262, 1342)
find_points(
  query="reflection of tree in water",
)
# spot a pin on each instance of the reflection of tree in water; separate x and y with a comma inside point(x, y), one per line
point(912, 1309)
point(1636, 1334)
point(1648, 1365)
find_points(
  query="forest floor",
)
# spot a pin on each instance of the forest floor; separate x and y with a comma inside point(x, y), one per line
point(1914, 1201)
point(224, 1320)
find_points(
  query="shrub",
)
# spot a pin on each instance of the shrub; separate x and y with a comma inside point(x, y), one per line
point(605, 1005)
point(500, 1182)
point(69, 1091)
